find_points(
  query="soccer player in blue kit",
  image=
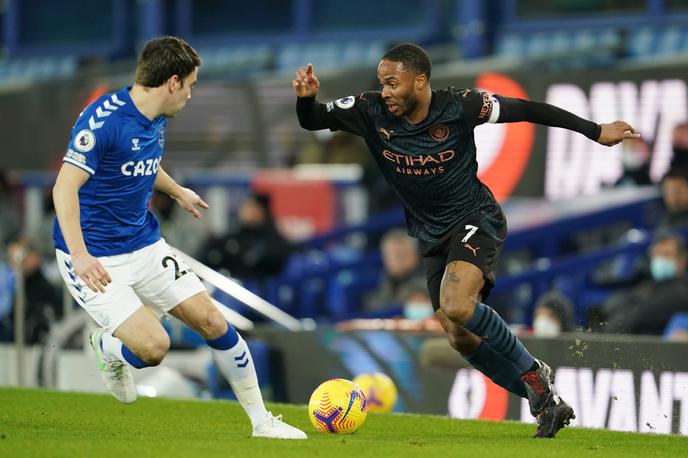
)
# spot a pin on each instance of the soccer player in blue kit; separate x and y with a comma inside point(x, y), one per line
point(108, 244)
point(422, 141)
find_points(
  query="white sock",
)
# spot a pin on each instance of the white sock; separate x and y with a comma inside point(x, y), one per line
point(112, 346)
point(243, 380)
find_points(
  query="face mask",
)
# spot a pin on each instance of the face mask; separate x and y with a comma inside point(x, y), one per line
point(418, 311)
point(544, 326)
point(662, 268)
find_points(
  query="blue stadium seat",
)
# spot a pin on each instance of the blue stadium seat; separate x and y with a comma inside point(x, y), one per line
point(346, 289)
point(678, 322)
point(556, 44)
point(510, 45)
point(27, 70)
point(328, 56)
point(651, 42)
point(242, 60)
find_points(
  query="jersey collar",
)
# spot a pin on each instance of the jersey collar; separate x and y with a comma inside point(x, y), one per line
point(428, 120)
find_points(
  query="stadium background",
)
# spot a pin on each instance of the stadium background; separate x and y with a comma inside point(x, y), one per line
point(600, 59)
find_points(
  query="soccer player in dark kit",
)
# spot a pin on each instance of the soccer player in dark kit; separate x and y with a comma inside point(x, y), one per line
point(422, 140)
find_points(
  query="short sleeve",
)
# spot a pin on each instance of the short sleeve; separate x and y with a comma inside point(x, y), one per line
point(88, 143)
point(349, 114)
point(478, 107)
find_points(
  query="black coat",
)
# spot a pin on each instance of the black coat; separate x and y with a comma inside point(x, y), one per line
point(249, 252)
point(646, 308)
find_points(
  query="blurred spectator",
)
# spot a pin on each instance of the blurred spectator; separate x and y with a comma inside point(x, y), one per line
point(418, 306)
point(255, 250)
point(635, 155)
point(43, 299)
point(403, 273)
point(675, 196)
point(10, 221)
point(553, 315)
point(679, 143)
point(648, 307)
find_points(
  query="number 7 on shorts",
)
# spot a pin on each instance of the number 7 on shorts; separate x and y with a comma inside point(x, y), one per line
point(471, 230)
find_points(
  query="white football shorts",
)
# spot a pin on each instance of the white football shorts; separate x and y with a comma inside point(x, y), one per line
point(152, 275)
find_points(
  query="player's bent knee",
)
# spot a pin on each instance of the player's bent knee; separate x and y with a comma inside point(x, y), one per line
point(211, 325)
point(458, 309)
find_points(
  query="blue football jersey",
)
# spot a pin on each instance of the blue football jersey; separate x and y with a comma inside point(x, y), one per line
point(121, 149)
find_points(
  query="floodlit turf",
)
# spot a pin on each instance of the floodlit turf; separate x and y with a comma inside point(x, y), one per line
point(37, 423)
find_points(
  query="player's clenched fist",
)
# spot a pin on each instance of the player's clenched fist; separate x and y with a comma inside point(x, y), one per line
point(305, 83)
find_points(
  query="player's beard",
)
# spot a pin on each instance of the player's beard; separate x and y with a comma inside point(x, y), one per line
point(410, 105)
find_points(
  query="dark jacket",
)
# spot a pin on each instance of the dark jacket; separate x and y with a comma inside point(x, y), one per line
point(394, 292)
point(248, 252)
point(646, 308)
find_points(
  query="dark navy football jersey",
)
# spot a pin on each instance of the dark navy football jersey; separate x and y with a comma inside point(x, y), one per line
point(432, 165)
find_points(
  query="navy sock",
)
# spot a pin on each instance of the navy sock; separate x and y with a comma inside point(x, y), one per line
point(490, 327)
point(132, 358)
point(226, 341)
point(497, 368)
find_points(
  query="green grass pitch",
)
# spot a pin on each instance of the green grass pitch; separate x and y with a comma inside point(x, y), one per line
point(39, 423)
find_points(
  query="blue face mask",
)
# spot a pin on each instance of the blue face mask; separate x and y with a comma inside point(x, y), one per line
point(418, 311)
point(662, 268)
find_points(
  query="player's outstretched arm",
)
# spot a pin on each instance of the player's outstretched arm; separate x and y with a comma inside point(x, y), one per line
point(516, 110)
point(66, 199)
point(185, 197)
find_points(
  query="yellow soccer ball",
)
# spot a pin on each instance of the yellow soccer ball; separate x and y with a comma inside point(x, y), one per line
point(337, 406)
point(380, 391)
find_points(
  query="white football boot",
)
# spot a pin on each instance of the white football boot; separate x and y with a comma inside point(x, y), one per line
point(275, 428)
point(115, 373)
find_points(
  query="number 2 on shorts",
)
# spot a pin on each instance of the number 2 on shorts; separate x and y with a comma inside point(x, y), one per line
point(471, 230)
point(177, 273)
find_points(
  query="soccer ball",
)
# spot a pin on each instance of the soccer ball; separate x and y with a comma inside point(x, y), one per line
point(337, 406)
point(379, 390)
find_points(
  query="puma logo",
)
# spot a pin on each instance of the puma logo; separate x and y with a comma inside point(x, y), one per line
point(384, 131)
point(474, 250)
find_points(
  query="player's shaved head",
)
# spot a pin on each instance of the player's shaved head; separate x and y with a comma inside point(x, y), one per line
point(162, 58)
point(413, 58)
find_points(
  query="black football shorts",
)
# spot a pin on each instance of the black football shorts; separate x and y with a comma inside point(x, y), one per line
point(477, 240)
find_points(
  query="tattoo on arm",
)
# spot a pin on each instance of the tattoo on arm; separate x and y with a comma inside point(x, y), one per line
point(452, 277)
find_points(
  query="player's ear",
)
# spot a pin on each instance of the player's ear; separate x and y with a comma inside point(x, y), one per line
point(421, 81)
point(172, 83)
